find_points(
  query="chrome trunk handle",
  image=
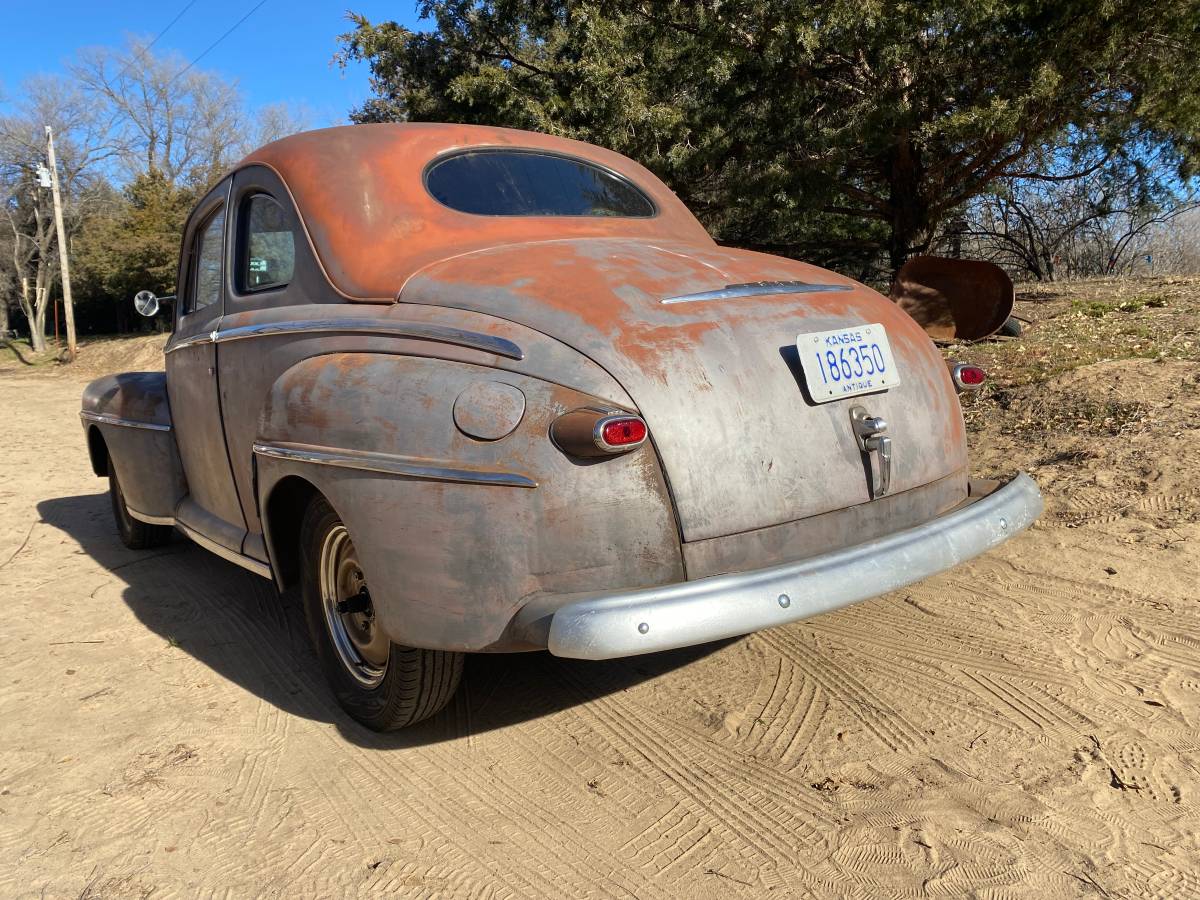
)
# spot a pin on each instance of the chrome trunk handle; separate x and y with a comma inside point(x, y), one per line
point(882, 446)
point(869, 432)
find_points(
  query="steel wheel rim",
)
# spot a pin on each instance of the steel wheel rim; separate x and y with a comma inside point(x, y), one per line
point(360, 645)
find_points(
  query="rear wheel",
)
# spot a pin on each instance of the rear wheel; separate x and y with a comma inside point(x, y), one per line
point(382, 684)
point(135, 534)
point(1010, 328)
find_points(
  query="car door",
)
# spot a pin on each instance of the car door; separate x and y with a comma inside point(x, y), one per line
point(212, 507)
point(267, 271)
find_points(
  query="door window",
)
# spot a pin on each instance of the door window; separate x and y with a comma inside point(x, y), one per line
point(268, 247)
point(209, 250)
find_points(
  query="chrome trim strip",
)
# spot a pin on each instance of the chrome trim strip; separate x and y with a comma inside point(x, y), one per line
point(105, 419)
point(149, 519)
point(425, 331)
point(392, 464)
point(606, 626)
point(758, 289)
point(194, 341)
point(251, 565)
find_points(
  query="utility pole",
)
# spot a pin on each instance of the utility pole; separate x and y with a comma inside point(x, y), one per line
point(68, 306)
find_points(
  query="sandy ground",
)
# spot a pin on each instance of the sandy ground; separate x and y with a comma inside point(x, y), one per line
point(1026, 725)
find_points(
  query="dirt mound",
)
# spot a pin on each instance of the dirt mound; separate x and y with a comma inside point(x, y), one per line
point(96, 357)
point(1107, 442)
point(142, 353)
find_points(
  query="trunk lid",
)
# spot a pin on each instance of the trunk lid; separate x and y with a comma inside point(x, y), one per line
point(718, 381)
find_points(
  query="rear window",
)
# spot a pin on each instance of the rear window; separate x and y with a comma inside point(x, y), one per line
point(526, 183)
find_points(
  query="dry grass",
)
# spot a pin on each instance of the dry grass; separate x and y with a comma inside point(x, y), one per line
point(1074, 324)
point(1098, 398)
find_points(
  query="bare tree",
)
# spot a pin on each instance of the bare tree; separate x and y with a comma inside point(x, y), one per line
point(163, 115)
point(28, 219)
point(7, 284)
point(1083, 223)
point(166, 117)
point(1175, 244)
point(270, 123)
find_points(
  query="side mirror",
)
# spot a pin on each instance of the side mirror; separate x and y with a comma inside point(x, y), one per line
point(146, 303)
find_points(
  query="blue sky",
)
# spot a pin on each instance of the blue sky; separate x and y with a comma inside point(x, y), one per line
point(281, 53)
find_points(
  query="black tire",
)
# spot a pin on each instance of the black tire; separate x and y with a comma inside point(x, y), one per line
point(135, 534)
point(383, 685)
point(1010, 328)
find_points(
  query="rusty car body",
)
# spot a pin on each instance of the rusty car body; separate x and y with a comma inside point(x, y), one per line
point(397, 356)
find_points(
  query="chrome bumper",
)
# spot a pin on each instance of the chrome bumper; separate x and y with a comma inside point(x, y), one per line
point(606, 626)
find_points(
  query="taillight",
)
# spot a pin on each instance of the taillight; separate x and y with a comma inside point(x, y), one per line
point(598, 432)
point(967, 377)
point(624, 432)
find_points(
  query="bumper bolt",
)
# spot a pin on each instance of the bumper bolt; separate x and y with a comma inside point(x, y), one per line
point(1004, 524)
point(785, 601)
point(643, 628)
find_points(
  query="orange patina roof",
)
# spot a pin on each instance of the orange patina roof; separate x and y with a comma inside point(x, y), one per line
point(360, 192)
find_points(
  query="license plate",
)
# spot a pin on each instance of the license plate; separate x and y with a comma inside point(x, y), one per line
point(846, 362)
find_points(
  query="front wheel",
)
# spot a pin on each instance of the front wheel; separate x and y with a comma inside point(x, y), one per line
point(383, 685)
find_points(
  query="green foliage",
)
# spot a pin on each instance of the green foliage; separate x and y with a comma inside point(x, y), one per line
point(839, 130)
point(134, 243)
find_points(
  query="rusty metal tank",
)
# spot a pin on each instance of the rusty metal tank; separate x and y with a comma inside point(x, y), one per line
point(954, 299)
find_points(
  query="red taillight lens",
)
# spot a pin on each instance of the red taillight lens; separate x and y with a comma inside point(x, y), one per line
point(972, 376)
point(623, 432)
point(592, 433)
point(966, 377)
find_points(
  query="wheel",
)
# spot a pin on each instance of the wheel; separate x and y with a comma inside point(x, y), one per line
point(383, 685)
point(1010, 328)
point(135, 534)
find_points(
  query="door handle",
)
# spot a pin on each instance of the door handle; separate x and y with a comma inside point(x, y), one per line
point(869, 432)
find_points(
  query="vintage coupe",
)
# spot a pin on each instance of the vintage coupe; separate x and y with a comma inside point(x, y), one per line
point(473, 390)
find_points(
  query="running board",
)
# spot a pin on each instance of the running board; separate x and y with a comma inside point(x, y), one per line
point(250, 565)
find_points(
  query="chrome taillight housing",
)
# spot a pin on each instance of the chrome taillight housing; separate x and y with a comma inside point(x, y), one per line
point(598, 432)
point(967, 377)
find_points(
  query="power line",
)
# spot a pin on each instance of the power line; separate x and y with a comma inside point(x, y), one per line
point(169, 24)
point(228, 32)
point(140, 56)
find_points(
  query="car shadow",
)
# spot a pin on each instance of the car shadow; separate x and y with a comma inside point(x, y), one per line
point(239, 626)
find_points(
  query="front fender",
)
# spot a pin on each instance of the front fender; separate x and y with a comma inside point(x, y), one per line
point(127, 420)
point(456, 533)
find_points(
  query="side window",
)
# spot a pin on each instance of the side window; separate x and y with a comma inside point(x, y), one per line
point(209, 251)
point(267, 253)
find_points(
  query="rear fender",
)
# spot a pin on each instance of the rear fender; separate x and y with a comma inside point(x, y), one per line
point(127, 421)
point(460, 507)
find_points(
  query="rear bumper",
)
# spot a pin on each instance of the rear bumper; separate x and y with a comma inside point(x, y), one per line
point(693, 612)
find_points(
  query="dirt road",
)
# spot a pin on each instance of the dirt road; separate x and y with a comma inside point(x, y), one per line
point(1027, 725)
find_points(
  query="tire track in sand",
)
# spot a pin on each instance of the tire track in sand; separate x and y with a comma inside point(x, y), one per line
point(890, 726)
